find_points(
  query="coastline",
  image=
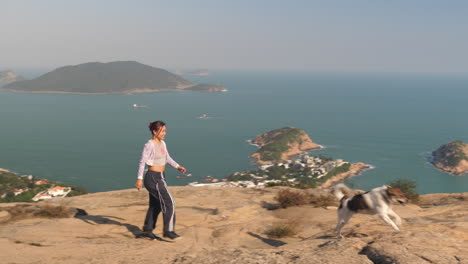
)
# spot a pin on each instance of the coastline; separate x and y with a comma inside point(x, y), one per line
point(61, 92)
point(452, 171)
point(356, 169)
point(178, 88)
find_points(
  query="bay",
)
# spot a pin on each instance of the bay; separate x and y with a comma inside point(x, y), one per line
point(389, 120)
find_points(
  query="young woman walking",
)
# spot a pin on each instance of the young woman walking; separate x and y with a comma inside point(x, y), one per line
point(155, 155)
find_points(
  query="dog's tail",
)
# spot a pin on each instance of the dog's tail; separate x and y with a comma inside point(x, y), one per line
point(341, 191)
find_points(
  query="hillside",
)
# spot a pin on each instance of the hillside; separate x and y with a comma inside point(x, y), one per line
point(280, 144)
point(452, 157)
point(112, 77)
point(228, 225)
point(22, 188)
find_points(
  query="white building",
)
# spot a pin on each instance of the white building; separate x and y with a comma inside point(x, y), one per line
point(42, 196)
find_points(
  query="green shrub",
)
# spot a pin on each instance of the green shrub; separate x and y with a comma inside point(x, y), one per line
point(281, 183)
point(408, 187)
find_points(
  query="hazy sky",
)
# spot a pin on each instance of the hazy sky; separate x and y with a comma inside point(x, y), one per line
point(347, 35)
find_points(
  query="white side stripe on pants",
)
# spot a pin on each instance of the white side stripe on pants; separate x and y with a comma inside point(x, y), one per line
point(171, 222)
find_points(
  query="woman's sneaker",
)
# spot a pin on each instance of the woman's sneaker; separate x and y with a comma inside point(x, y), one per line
point(150, 235)
point(171, 235)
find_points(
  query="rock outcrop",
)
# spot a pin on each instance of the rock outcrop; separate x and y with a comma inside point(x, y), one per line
point(452, 157)
point(227, 225)
point(280, 144)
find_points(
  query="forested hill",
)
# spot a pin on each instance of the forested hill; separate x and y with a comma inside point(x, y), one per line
point(96, 77)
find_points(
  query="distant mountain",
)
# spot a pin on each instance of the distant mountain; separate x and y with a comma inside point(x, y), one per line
point(112, 77)
point(9, 76)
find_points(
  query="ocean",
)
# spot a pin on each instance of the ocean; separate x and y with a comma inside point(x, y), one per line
point(391, 121)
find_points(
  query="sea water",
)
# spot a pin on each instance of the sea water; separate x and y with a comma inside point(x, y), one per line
point(390, 121)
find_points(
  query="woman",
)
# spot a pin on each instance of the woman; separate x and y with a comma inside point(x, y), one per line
point(155, 155)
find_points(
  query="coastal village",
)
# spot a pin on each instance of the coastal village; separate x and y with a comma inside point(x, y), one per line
point(306, 171)
point(26, 188)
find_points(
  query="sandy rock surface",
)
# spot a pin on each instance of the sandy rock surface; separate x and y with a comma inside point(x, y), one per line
point(227, 225)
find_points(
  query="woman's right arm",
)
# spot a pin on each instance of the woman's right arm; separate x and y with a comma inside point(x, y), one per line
point(143, 159)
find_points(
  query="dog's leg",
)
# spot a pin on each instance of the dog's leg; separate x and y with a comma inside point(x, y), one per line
point(389, 221)
point(343, 219)
point(395, 216)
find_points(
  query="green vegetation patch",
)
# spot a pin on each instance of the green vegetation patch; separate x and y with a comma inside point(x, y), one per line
point(408, 187)
point(279, 142)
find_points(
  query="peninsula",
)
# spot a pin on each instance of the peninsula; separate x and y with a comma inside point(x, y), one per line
point(305, 172)
point(125, 77)
point(452, 157)
point(281, 144)
point(277, 168)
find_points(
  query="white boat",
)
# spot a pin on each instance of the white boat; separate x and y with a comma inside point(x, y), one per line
point(139, 106)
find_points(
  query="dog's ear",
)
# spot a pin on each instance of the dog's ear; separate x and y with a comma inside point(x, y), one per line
point(387, 186)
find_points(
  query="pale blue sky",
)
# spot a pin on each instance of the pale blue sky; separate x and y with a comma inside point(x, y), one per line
point(350, 36)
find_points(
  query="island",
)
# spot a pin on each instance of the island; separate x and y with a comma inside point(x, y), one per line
point(27, 188)
point(126, 77)
point(452, 157)
point(281, 144)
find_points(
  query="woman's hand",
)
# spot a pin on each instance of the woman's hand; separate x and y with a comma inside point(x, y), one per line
point(139, 184)
point(181, 169)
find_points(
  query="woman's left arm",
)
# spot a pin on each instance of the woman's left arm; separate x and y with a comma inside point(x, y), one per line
point(173, 163)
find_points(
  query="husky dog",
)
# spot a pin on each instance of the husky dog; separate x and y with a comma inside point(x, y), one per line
point(376, 201)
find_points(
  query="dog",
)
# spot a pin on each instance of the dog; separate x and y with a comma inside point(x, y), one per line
point(376, 201)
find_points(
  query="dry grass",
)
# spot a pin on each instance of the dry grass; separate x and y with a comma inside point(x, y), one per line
point(323, 200)
point(24, 211)
point(287, 198)
point(283, 229)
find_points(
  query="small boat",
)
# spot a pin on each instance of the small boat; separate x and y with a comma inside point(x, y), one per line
point(139, 106)
point(204, 116)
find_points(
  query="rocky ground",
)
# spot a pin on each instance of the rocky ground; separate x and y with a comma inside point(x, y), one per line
point(228, 225)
